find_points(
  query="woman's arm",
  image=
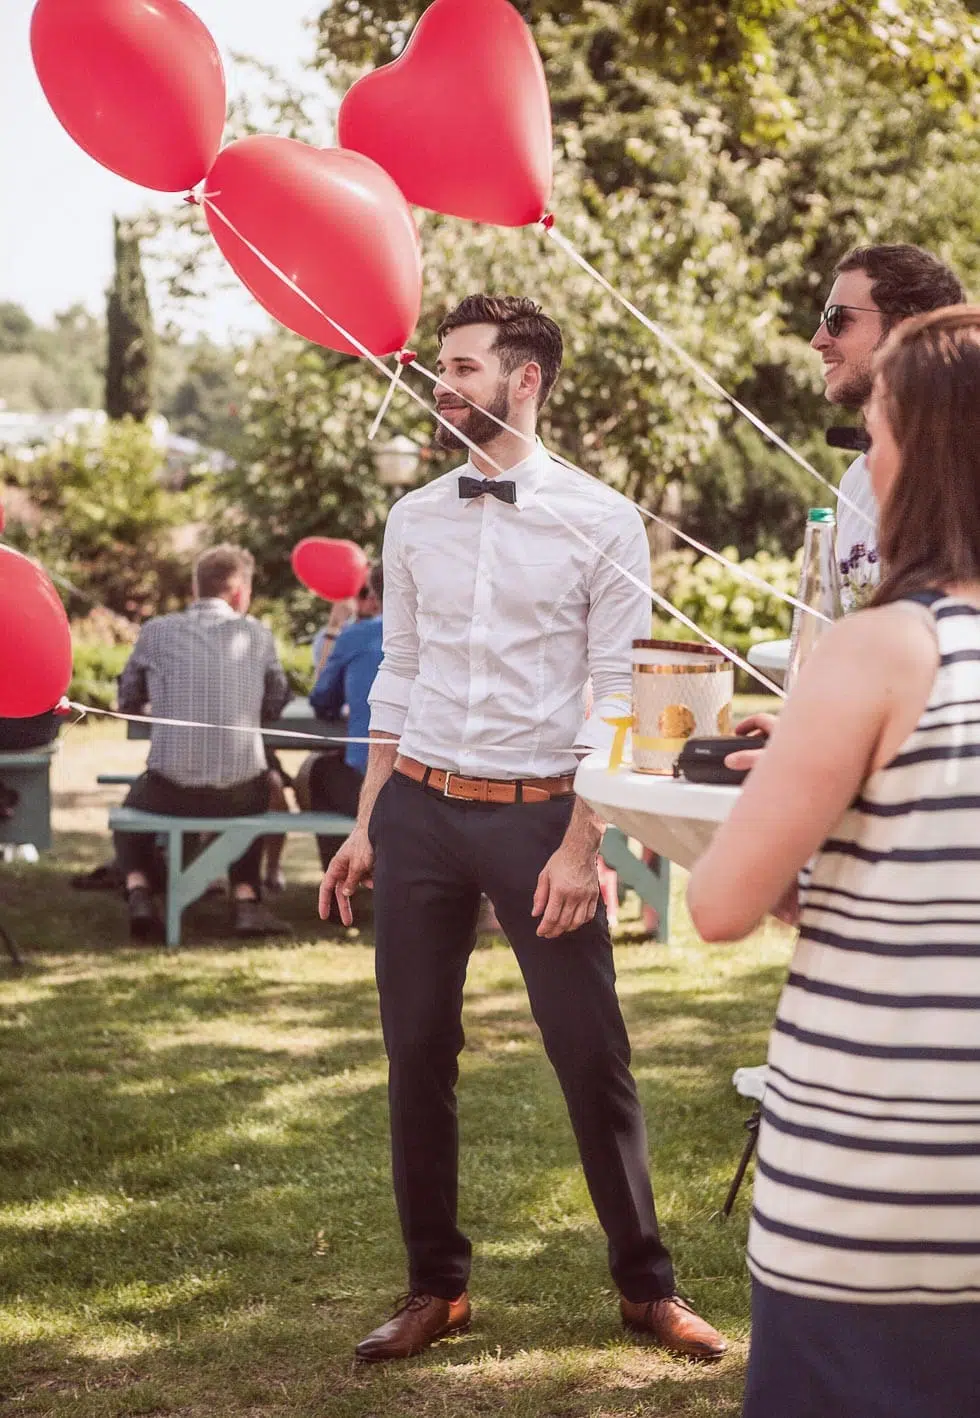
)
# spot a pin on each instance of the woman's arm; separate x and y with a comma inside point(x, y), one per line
point(862, 691)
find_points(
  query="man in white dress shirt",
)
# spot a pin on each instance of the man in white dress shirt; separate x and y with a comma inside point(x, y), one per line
point(504, 593)
point(875, 287)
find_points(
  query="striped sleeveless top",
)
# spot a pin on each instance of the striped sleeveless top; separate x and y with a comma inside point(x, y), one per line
point(868, 1178)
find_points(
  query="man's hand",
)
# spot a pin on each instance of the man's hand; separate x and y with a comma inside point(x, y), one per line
point(340, 613)
point(756, 725)
point(350, 867)
point(567, 892)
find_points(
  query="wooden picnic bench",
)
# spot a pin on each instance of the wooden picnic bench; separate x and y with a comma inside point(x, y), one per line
point(28, 772)
point(233, 835)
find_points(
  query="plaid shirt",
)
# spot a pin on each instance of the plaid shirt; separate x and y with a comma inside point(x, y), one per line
point(213, 665)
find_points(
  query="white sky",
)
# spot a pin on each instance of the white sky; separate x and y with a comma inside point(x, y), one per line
point(56, 203)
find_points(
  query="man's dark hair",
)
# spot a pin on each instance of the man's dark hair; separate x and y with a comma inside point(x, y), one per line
point(524, 333)
point(905, 280)
point(376, 580)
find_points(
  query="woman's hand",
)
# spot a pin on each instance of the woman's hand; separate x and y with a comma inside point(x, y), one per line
point(340, 613)
point(755, 726)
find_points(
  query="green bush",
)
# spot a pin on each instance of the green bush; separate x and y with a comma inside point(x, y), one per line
point(297, 661)
point(737, 614)
point(102, 516)
point(95, 669)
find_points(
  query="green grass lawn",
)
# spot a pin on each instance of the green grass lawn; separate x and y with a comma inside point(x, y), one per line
point(196, 1211)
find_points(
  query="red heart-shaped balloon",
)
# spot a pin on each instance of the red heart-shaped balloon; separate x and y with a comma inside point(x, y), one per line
point(461, 119)
point(334, 569)
point(334, 224)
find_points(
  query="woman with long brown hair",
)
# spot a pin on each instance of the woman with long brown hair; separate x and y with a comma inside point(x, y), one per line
point(864, 1244)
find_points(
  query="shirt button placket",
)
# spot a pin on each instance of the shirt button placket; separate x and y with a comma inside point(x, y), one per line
point(480, 627)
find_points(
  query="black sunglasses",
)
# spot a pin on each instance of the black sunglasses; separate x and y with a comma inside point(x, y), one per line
point(833, 317)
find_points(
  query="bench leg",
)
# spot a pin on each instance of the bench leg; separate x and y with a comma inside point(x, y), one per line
point(175, 851)
point(652, 884)
point(661, 896)
point(186, 884)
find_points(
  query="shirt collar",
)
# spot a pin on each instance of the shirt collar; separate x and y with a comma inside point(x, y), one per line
point(215, 604)
point(527, 475)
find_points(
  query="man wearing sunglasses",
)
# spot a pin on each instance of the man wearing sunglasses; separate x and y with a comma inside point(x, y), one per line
point(875, 287)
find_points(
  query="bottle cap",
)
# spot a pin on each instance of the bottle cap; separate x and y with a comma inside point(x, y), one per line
point(820, 514)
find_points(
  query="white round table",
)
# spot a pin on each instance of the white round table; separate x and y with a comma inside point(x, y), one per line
point(670, 816)
point(772, 657)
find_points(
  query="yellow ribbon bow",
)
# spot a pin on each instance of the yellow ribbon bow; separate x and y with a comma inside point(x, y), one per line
point(640, 741)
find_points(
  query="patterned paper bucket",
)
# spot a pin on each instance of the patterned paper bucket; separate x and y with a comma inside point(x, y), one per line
point(681, 689)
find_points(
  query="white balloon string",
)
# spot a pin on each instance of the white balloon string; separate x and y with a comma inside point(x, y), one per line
point(661, 600)
point(735, 567)
point(280, 733)
point(698, 369)
point(389, 394)
point(475, 448)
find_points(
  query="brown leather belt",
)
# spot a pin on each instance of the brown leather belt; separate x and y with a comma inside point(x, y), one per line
point(485, 790)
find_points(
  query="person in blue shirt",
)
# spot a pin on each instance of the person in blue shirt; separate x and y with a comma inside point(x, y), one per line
point(345, 680)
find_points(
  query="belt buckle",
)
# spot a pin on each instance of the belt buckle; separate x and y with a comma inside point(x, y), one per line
point(445, 786)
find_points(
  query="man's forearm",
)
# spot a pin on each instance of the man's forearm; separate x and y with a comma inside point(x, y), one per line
point(381, 761)
point(583, 834)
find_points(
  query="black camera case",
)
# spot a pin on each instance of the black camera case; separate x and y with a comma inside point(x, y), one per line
point(703, 760)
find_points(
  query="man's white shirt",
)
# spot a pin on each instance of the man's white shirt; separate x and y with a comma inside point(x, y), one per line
point(857, 537)
point(497, 615)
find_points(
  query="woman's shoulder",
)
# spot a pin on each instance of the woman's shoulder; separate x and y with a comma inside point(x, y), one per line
point(899, 636)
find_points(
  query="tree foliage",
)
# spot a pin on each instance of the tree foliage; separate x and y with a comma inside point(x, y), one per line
point(99, 514)
point(306, 468)
point(52, 367)
point(130, 339)
point(714, 160)
point(61, 366)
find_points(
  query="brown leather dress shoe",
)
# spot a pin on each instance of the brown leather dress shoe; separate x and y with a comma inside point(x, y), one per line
point(418, 1321)
point(673, 1324)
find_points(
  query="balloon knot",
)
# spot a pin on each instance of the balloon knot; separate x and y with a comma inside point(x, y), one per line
point(406, 357)
point(62, 708)
point(191, 200)
point(548, 221)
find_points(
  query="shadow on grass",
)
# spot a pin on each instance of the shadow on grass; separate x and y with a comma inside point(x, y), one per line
point(198, 1216)
point(47, 916)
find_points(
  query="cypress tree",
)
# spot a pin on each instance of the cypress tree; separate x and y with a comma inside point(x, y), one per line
point(129, 329)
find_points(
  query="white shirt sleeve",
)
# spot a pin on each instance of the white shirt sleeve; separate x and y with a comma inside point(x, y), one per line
point(619, 613)
point(399, 668)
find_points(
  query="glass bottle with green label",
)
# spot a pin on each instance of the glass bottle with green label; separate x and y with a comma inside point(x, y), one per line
point(819, 589)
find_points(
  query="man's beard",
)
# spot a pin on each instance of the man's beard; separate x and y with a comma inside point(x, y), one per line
point(856, 392)
point(479, 425)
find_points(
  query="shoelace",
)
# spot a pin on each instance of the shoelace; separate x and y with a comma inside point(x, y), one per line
point(412, 1300)
point(678, 1300)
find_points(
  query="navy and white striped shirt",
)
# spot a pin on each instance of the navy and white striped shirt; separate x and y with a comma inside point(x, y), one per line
point(868, 1180)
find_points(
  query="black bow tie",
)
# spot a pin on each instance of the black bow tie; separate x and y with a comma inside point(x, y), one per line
point(476, 487)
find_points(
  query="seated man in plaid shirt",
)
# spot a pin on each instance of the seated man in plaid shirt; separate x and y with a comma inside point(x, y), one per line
point(213, 664)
